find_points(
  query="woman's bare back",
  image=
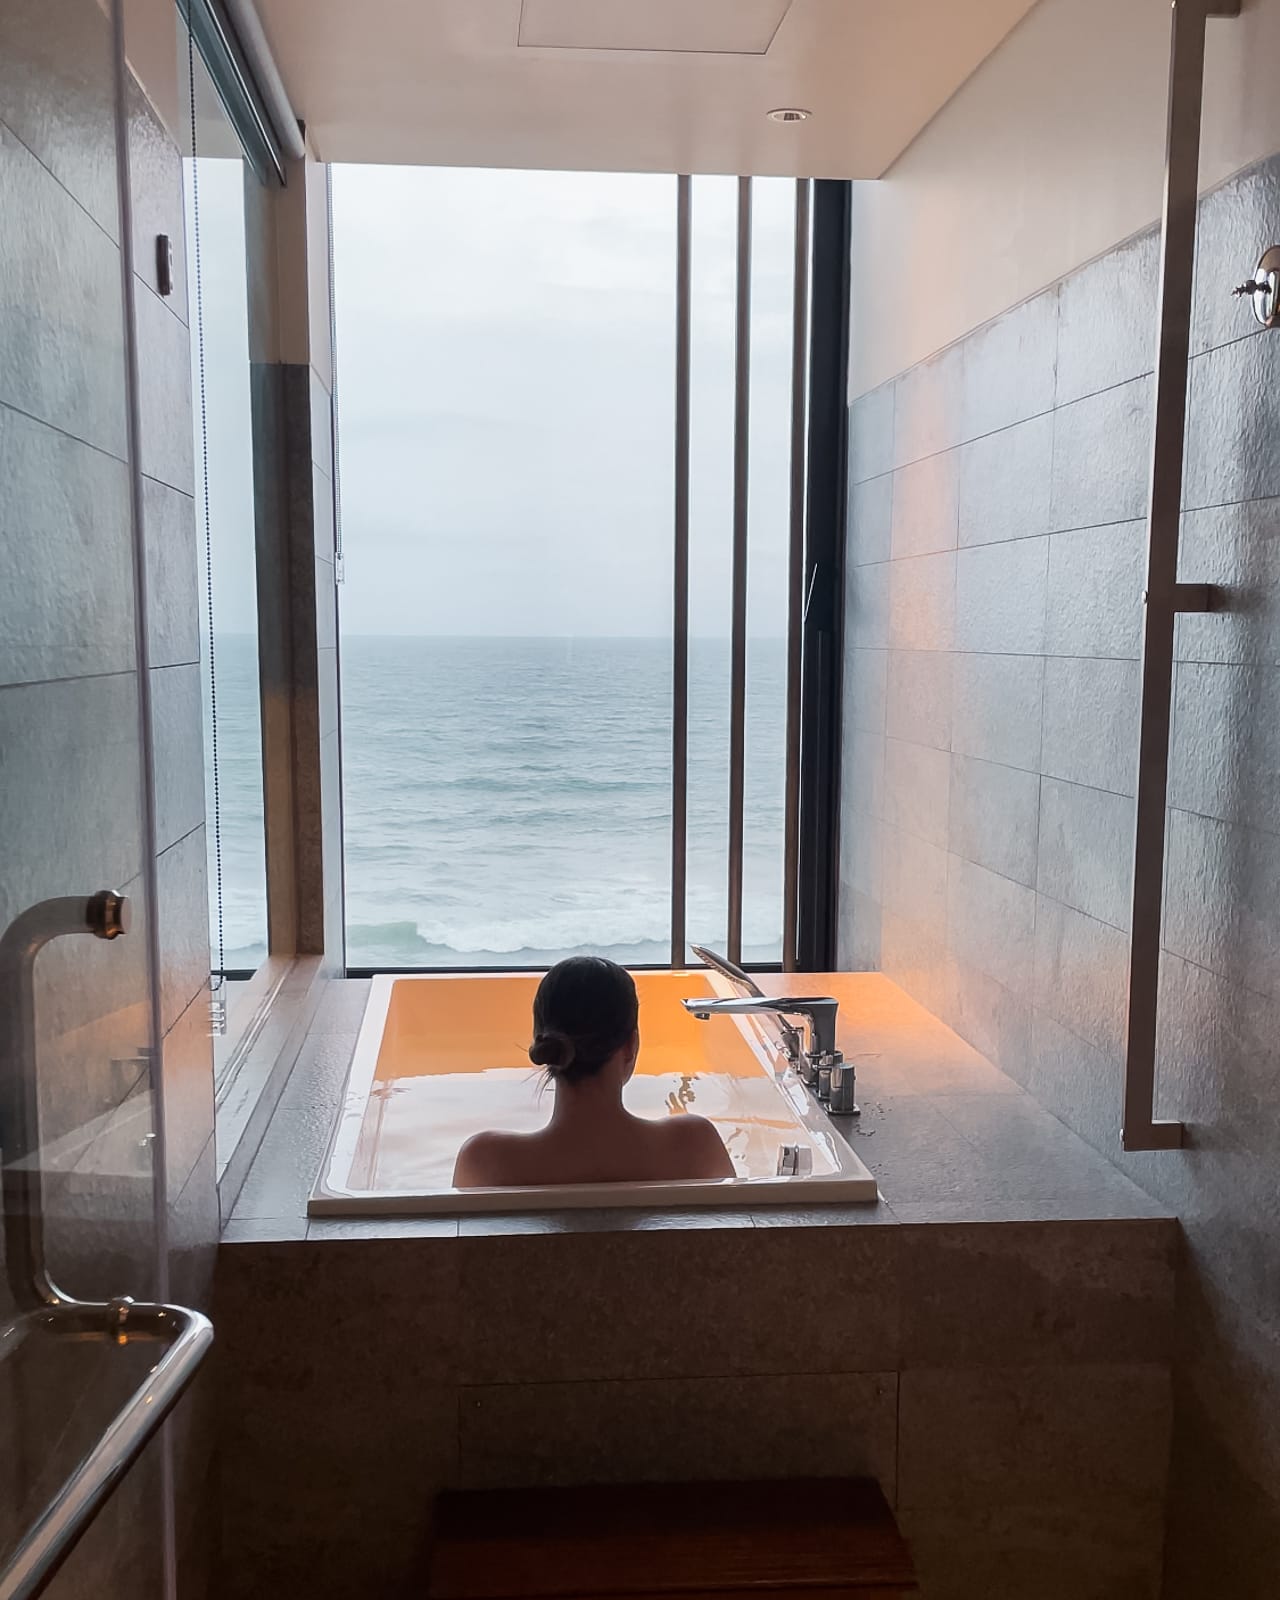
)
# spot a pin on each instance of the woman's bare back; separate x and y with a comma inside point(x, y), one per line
point(622, 1149)
point(587, 1036)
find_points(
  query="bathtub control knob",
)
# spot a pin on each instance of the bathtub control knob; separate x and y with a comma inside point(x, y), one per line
point(825, 1065)
point(795, 1161)
point(842, 1102)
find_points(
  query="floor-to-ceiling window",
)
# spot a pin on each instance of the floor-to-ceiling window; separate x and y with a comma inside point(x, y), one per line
point(507, 406)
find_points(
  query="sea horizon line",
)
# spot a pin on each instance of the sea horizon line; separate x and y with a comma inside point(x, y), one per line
point(541, 638)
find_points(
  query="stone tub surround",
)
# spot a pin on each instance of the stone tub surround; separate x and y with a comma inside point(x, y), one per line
point(948, 1136)
point(991, 1342)
point(996, 547)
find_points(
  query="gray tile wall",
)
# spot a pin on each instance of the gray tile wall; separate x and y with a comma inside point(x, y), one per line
point(995, 546)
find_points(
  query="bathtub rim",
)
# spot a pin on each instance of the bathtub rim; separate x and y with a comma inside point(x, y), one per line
point(851, 1184)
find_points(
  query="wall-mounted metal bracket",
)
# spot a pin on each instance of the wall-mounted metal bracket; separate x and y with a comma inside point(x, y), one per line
point(1190, 597)
point(108, 914)
point(1196, 597)
point(1152, 1135)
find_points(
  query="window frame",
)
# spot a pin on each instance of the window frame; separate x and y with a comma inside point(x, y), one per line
point(238, 1017)
point(815, 584)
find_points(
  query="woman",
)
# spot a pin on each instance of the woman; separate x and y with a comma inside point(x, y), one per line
point(585, 1034)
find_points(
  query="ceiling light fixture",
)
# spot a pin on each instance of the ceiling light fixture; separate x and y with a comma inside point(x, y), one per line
point(790, 114)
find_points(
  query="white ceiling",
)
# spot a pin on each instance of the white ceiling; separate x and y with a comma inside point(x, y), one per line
point(628, 85)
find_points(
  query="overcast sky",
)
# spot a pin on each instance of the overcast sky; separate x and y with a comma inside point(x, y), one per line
point(506, 347)
point(506, 376)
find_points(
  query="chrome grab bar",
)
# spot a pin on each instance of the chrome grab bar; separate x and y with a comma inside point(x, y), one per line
point(53, 1536)
point(42, 1306)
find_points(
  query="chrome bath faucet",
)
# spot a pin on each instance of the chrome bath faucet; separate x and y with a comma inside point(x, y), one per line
point(820, 1066)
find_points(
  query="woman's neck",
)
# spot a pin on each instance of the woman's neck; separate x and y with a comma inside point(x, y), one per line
point(595, 1099)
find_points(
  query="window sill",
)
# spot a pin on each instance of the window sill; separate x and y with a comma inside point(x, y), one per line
point(268, 1022)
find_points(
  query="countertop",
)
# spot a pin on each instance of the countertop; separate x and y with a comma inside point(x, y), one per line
point(949, 1137)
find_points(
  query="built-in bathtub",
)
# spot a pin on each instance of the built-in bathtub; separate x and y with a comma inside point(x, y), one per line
point(441, 1057)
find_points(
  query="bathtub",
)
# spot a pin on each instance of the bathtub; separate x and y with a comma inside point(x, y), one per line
point(439, 1058)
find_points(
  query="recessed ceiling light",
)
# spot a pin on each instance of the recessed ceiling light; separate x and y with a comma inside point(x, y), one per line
point(790, 114)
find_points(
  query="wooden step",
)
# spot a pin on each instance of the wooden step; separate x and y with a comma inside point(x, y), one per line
point(820, 1539)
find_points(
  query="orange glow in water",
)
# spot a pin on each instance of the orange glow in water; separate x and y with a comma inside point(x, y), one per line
point(448, 1025)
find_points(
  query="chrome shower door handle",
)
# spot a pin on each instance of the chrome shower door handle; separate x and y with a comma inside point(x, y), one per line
point(59, 1525)
point(44, 1310)
point(105, 915)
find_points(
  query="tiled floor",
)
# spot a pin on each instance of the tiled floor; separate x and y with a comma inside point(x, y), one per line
point(948, 1136)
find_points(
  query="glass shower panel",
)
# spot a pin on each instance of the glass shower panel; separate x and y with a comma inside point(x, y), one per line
point(71, 763)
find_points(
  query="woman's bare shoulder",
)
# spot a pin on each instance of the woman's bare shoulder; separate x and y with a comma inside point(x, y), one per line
point(484, 1161)
point(698, 1139)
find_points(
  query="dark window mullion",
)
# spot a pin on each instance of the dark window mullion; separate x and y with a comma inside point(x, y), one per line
point(824, 579)
point(680, 627)
point(795, 576)
point(738, 646)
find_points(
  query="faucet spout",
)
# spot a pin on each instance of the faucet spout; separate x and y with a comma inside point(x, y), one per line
point(819, 1011)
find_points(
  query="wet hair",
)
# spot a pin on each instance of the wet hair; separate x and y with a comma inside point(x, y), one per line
point(585, 1009)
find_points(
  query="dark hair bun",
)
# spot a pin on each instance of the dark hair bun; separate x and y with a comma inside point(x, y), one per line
point(552, 1050)
point(584, 1011)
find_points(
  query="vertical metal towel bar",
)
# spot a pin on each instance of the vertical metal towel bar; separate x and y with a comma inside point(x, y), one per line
point(1164, 596)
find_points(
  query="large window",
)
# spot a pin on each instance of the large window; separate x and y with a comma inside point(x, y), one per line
point(507, 356)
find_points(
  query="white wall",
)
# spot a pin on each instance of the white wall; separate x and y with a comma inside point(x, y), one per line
point(1050, 154)
point(151, 46)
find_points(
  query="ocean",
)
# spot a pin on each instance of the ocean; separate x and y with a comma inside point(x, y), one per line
point(508, 801)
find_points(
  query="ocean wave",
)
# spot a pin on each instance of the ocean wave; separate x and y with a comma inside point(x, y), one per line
point(638, 953)
point(412, 942)
point(495, 938)
point(397, 936)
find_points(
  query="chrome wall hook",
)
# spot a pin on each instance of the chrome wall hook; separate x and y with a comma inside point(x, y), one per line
point(1263, 289)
